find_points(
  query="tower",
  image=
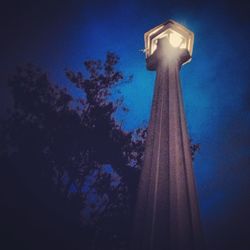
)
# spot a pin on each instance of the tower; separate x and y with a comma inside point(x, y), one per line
point(167, 213)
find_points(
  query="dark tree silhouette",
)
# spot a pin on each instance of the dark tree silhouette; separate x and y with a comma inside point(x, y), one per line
point(68, 170)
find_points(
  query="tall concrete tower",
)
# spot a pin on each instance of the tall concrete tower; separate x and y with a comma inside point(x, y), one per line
point(167, 213)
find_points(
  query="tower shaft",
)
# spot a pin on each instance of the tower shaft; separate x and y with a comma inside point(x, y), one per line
point(167, 214)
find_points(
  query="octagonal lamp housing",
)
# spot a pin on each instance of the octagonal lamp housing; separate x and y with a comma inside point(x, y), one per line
point(178, 35)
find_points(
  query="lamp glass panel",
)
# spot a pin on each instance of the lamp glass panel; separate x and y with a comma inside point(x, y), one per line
point(176, 40)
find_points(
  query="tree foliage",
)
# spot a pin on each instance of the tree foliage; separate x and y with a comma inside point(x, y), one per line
point(74, 157)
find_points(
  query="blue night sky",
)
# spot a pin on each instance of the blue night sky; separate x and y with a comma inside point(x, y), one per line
point(215, 83)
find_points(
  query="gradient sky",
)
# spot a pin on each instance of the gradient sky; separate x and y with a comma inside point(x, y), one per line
point(216, 87)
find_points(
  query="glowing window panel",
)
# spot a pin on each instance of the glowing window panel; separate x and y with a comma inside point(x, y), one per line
point(176, 40)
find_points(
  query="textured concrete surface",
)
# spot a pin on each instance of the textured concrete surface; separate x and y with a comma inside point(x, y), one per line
point(167, 213)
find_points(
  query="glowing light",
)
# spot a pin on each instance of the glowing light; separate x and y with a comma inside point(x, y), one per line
point(175, 40)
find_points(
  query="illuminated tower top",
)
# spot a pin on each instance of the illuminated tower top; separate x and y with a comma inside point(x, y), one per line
point(178, 36)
